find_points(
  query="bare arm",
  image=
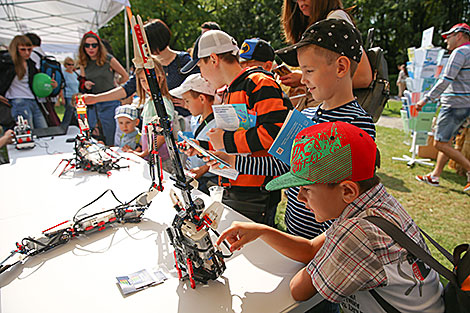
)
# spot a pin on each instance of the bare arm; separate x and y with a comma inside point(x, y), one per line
point(117, 67)
point(363, 75)
point(301, 287)
point(294, 247)
point(113, 94)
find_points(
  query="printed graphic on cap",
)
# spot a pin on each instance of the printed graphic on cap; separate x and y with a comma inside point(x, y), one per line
point(322, 157)
point(245, 48)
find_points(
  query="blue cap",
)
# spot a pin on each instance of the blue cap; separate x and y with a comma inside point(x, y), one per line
point(256, 49)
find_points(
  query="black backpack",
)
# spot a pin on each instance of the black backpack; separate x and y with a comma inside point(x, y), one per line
point(373, 98)
point(457, 291)
point(50, 66)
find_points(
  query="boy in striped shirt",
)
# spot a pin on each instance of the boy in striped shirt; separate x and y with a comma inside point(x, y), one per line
point(329, 78)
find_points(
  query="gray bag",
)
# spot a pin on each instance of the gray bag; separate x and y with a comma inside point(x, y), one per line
point(373, 98)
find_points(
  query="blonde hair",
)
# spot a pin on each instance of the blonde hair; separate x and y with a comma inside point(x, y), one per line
point(18, 61)
point(83, 56)
point(294, 22)
point(69, 60)
point(161, 78)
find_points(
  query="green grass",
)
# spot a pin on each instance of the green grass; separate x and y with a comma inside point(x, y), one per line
point(392, 108)
point(443, 212)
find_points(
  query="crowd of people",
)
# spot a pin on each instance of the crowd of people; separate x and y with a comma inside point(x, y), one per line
point(330, 183)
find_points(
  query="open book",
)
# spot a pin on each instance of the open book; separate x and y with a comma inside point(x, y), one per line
point(282, 145)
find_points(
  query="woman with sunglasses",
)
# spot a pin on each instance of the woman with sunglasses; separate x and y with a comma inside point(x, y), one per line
point(16, 83)
point(298, 15)
point(98, 67)
point(71, 88)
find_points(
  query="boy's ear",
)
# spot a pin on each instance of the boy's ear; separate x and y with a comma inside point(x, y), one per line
point(350, 191)
point(137, 123)
point(214, 59)
point(343, 64)
point(202, 98)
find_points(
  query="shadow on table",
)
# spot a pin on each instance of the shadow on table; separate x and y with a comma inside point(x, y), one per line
point(78, 247)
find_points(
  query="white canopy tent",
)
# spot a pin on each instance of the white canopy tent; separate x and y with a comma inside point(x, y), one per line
point(59, 23)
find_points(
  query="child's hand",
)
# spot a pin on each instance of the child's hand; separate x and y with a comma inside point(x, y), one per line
point(187, 149)
point(199, 171)
point(239, 234)
point(213, 164)
point(89, 84)
point(216, 137)
point(126, 148)
point(292, 79)
point(89, 99)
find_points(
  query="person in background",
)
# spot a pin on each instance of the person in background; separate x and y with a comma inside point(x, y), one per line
point(401, 80)
point(298, 15)
point(16, 83)
point(149, 113)
point(127, 118)
point(453, 90)
point(257, 52)
point(98, 67)
point(71, 88)
point(209, 26)
point(37, 50)
point(158, 35)
point(198, 96)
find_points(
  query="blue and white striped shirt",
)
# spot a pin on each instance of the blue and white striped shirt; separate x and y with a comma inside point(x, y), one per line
point(454, 85)
point(299, 220)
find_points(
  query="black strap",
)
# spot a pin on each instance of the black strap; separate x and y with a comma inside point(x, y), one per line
point(439, 247)
point(383, 303)
point(203, 124)
point(403, 240)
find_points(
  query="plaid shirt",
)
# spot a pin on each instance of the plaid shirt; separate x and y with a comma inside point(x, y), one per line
point(355, 251)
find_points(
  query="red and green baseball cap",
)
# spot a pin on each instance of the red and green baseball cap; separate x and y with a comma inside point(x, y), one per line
point(329, 153)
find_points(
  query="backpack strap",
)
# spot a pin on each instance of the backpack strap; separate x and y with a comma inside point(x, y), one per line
point(439, 247)
point(383, 303)
point(412, 247)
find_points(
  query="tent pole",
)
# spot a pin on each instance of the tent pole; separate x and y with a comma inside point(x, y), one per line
point(126, 36)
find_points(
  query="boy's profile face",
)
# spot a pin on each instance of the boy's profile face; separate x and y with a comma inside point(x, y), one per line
point(126, 125)
point(210, 72)
point(194, 105)
point(324, 201)
point(319, 76)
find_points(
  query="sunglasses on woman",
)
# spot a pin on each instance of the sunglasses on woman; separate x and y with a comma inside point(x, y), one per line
point(68, 64)
point(92, 45)
point(25, 49)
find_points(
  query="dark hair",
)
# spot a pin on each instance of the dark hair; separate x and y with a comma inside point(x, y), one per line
point(158, 35)
point(210, 25)
point(294, 22)
point(366, 184)
point(107, 45)
point(227, 57)
point(35, 39)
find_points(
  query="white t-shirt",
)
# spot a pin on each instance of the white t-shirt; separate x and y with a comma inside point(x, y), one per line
point(19, 89)
point(341, 15)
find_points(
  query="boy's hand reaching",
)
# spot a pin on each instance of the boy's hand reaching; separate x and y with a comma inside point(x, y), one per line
point(240, 233)
point(187, 149)
point(216, 136)
point(126, 148)
point(213, 164)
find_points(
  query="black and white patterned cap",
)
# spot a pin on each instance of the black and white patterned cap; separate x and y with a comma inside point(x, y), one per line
point(333, 34)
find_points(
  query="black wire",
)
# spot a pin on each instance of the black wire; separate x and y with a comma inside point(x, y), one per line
point(112, 192)
point(225, 256)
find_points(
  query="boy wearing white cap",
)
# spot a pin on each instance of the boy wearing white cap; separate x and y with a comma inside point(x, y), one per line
point(217, 55)
point(127, 118)
point(198, 97)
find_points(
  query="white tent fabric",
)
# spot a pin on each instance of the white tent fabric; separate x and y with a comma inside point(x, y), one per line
point(58, 22)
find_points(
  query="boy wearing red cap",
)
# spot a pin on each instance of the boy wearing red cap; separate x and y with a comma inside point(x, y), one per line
point(453, 90)
point(334, 164)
